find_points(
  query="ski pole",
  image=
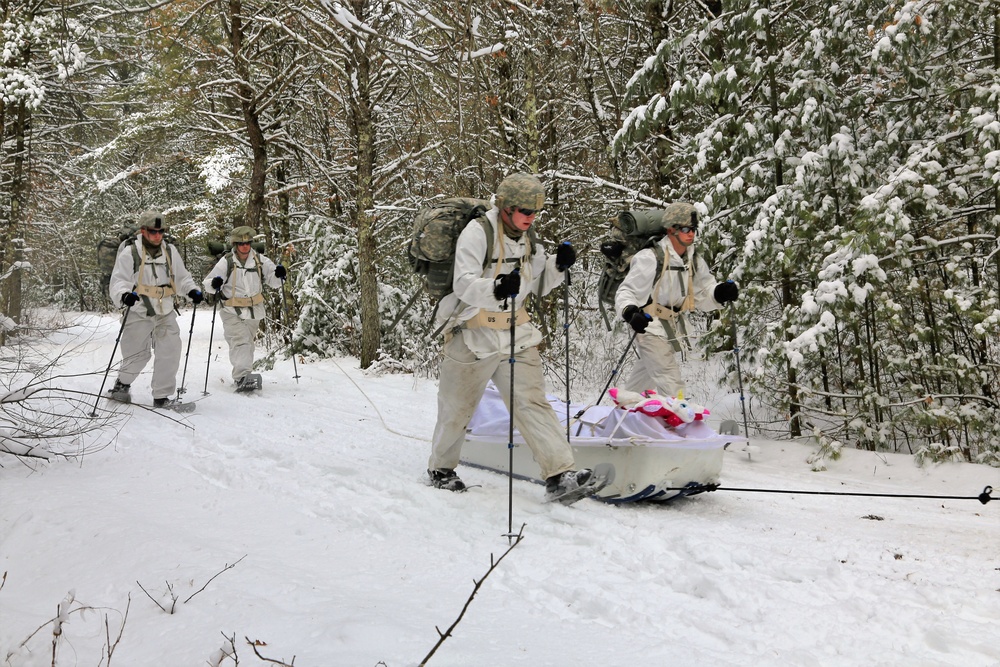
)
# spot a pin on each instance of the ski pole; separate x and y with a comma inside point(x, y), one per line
point(614, 372)
point(93, 412)
point(211, 334)
point(510, 429)
point(566, 334)
point(187, 354)
point(739, 370)
point(284, 310)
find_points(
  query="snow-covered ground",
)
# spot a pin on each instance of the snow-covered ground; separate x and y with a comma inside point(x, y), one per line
point(300, 519)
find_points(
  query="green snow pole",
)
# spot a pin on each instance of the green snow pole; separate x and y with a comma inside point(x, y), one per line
point(739, 373)
point(284, 310)
point(188, 353)
point(93, 413)
point(566, 333)
point(510, 429)
point(211, 334)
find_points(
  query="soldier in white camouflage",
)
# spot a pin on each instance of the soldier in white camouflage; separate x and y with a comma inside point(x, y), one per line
point(477, 325)
point(662, 301)
point(149, 273)
point(238, 280)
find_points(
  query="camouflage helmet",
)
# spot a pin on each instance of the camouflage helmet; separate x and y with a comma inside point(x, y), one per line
point(152, 219)
point(680, 214)
point(520, 190)
point(242, 234)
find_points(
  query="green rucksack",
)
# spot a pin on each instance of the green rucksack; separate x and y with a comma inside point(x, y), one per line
point(109, 247)
point(436, 228)
point(631, 231)
point(107, 250)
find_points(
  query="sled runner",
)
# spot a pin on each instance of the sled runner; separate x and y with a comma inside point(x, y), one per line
point(651, 460)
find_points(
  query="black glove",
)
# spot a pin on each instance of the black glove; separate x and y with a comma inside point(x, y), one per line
point(506, 285)
point(217, 283)
point(565, 256)
point(726, 292)
point(636, 319)
point(279, 272)
point(129, 299)
point(195, 296)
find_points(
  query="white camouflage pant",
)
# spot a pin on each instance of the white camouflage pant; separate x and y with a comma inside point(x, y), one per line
point(141, 335)
point(463, 380)
point(657, 367)
point(240, 335)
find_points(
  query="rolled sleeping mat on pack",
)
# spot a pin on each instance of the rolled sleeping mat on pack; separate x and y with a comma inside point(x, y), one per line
point(641, 222)
point(219, 248)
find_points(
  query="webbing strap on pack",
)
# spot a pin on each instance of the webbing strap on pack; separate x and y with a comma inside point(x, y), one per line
point(493, 319)
point(244, 301)
point(150, 292)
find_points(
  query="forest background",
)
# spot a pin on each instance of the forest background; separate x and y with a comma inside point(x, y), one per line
point(845, 156)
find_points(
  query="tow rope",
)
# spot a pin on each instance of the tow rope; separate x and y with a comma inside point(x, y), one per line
point(983, 497)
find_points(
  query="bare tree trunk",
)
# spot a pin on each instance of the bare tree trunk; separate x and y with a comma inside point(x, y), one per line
point(12, 234)
point(788, 296)
point(255, 134)
point(364, 197)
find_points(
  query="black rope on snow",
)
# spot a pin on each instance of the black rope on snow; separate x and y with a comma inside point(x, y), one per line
point(983, 497)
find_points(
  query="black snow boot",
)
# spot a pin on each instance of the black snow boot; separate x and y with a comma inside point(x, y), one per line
point(566, 482)
point(160, 402)
point(120, 392)
point(446, 478)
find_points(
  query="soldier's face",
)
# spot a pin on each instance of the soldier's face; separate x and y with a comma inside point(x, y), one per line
point(521, 218)
point(682, 237)
point(152, 236)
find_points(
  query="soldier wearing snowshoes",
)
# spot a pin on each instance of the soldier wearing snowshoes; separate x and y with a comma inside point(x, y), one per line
point(148, 275)
point(655, 298)
point(238, 281)
point(476, 319)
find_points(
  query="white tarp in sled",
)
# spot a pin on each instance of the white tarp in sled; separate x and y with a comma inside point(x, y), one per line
point(651, 460)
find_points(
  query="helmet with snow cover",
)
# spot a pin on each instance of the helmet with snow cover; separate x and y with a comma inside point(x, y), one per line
point(152, 220)
point(680, 215)
point(520, 190)
point(243, 234)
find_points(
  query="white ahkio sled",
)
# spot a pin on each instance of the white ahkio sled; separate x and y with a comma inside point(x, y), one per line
point(651, 459)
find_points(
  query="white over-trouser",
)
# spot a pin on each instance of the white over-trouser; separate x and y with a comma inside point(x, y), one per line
point(657, 367)
point(141, 336)
point(463, 380)
point(240, 336)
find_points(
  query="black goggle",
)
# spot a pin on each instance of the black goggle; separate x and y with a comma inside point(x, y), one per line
point(526, 212)
point(687, 228)
point(242, 243)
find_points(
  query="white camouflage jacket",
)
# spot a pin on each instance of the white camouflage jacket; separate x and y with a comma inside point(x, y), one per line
point(473, 287)
point(125, 277)
point(244, 282)
point(637, 288)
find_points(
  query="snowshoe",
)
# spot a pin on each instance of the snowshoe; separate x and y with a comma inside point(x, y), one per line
point(568, 487)
point(120, 392)
point(172, 404)
point(447, 479)
point(248, 383)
